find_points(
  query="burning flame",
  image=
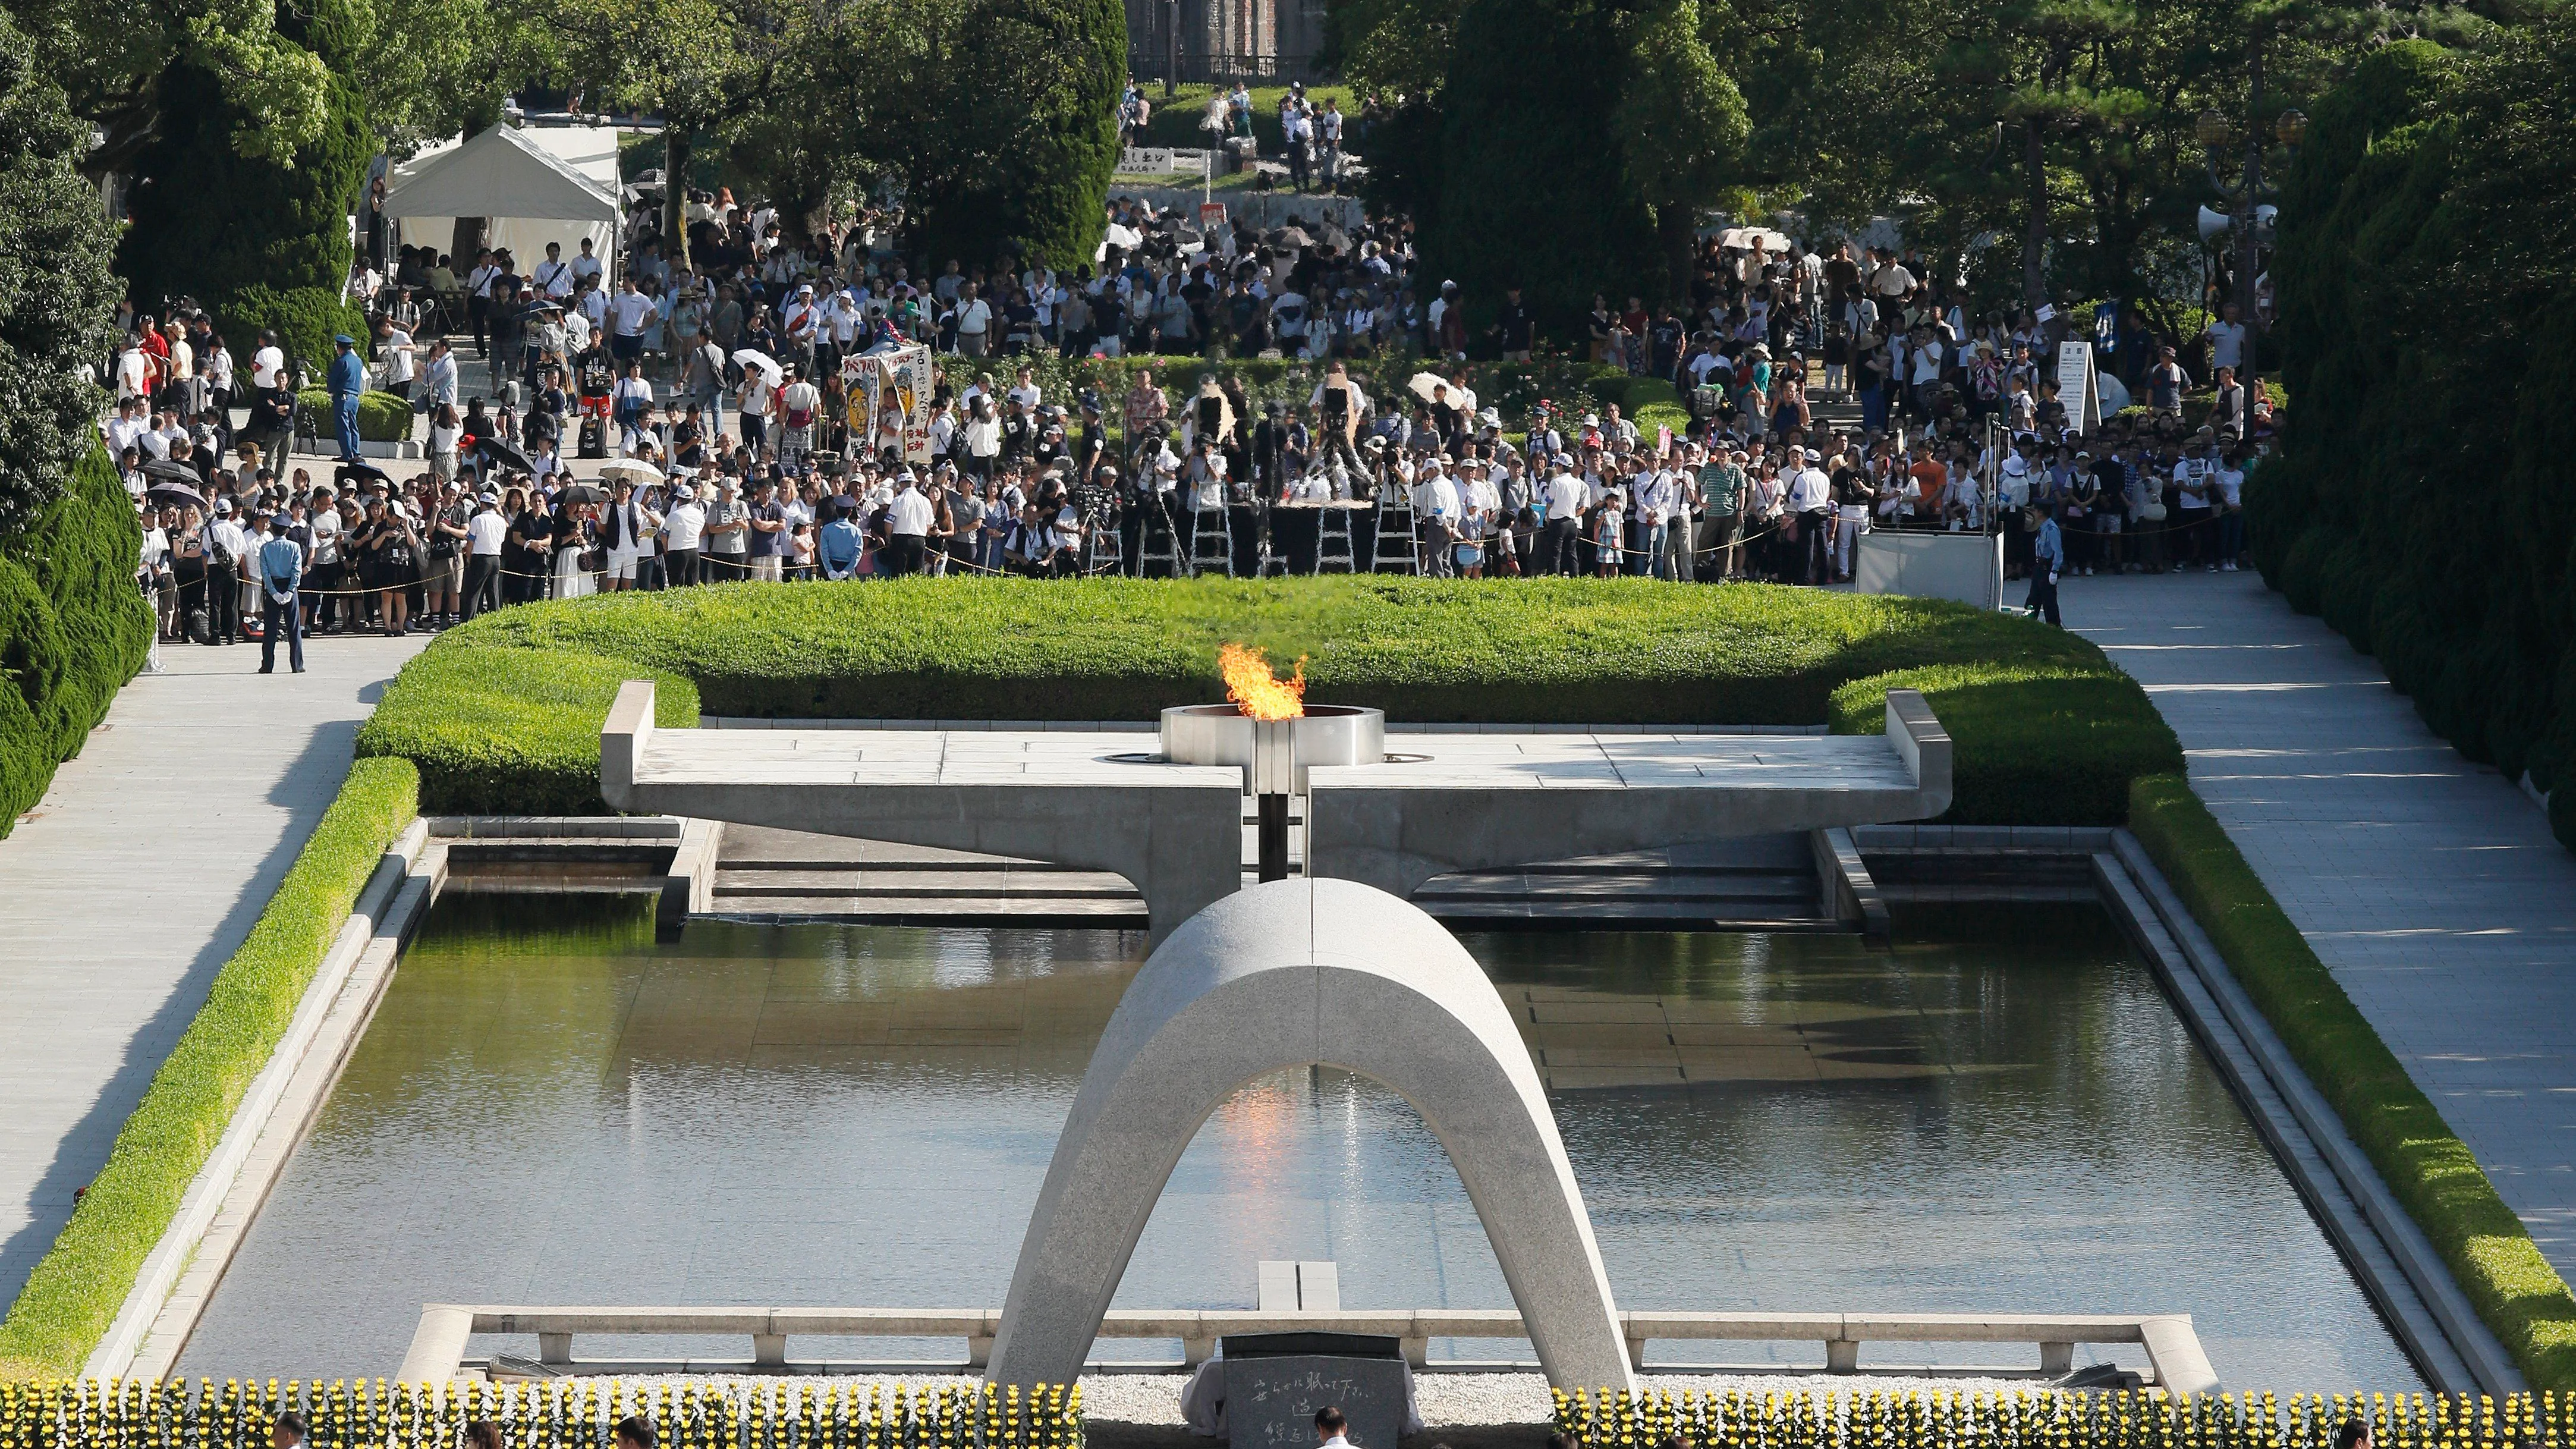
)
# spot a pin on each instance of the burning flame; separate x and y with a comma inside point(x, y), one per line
point(1248, 682)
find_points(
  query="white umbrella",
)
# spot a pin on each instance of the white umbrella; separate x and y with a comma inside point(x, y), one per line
point(1745, 238)
point(754, 357)
point(1422, 383)
point(630, 470)
point(1120, 236)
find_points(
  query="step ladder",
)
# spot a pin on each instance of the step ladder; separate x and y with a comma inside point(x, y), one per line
point(1333, 543)
point(1211, 540)
point(1268, 562)
point(1393, 505)
point(1107, 546)
point(1155, 541)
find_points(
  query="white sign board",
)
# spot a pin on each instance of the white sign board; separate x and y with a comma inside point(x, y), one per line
point(1162, 161)
point(2076, 387)
point(1968, 567)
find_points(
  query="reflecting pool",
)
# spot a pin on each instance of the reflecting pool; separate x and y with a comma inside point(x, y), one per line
point(551, 1108)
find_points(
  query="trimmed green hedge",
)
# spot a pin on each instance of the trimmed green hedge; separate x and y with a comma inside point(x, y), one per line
point(73, 629)
point(382, 417)
point(500, 729)
point(503, 714)
point(73, 1295)
point(2489, 1251)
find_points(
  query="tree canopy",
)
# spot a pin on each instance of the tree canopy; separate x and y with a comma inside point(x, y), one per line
point(56, 294)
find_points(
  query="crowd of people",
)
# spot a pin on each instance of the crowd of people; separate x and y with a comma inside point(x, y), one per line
point(1828, 395)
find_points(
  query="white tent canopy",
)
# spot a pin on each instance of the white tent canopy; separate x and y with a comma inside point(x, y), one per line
point(538, 184)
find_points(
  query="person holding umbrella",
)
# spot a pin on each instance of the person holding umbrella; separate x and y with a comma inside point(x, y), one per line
point(280, 564)
point(348, 379)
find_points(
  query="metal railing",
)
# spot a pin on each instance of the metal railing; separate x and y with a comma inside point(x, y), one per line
point(438, 1346)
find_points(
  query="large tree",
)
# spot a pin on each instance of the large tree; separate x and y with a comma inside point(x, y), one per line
point(56, 293)
point(258, 242)
point(1533, 190)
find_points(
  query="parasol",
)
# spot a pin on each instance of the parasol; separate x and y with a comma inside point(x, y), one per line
point(630, 470)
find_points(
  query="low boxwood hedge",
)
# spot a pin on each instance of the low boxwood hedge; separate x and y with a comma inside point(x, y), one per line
point(2489, 1251)
point(382, 417)
point(73, 1295)
point(73, 629)
point(503, 715)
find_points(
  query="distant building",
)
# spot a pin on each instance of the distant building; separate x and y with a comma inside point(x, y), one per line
point(1265, 42)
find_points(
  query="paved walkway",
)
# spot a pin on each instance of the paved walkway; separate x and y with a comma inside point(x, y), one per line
point(2430, 885)
point(131, 883)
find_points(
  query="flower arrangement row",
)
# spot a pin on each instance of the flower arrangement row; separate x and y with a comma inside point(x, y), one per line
point(557, 1414)
point(2060, 1419)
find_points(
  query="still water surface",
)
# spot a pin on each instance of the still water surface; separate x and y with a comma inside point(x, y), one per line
point(551, 1108)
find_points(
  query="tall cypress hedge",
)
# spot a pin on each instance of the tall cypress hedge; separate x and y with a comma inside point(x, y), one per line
point(73, 628)
point(2423, 502)
point(1532, 190)
point(1040, 105)
point(257, 244)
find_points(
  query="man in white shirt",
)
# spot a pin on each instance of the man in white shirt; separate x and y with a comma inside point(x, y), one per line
point(592, 306)
point(553, 276)
point(268, 363)
point(395, 347)
point(683, 535)
point(974, 322)
point(1437, 505)
point(908, 520)
point(480, 304)
point(803, 320)
point(126, 429)
point(2226, 340)
point(484, 534)
point(1565, 498)
point(628, 312)
point(586, 268)
point(1026, 393)
point(1811, 497)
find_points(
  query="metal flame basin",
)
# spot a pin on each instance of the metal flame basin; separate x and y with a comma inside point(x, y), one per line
point(1274, 754)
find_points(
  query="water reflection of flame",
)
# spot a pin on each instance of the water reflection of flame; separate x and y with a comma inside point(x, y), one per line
point(1249, 683)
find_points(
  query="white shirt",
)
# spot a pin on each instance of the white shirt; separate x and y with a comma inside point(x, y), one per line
point(631, 309)
point(554, 279)
point(397, 349)
point(1565, 496)
point(910, 514)
point(685, 526)
point(1810, 491)
point(265, 365)
point(325, 527)
point(484, 533)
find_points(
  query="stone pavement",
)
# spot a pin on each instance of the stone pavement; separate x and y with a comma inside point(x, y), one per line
point(131, 883)
point(2429, 884)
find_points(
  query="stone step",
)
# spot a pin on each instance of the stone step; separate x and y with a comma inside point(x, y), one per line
point(937, 910)
point(922, 881)
point(1676, 885)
